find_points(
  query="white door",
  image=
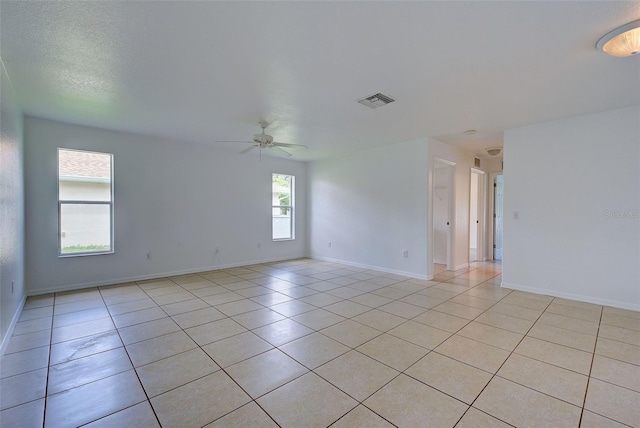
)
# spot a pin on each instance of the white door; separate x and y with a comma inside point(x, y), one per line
point(476, 215)
point(498, 191)
point(442, 214)
point(473, 219)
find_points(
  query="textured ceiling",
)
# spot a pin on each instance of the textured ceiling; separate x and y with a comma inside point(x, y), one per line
point(206, 71)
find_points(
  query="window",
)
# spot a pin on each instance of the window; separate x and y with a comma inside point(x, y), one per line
point(85, 203)
point(282, 201)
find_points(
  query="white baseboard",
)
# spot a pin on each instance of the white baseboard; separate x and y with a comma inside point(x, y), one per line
point(378, 268)
point(12, 325)
point(121, 280)
point(462, 266)
point(578, 297)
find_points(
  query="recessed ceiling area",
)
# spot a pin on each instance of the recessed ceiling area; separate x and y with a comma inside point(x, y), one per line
point(209, 71)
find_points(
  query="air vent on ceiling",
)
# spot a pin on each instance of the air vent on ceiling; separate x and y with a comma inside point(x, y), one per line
point(376, 100)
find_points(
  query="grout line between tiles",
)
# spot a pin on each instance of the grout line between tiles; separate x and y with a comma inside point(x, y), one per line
point(501, 365)
point(134, 370)
point(46, 387)
point(593, 356)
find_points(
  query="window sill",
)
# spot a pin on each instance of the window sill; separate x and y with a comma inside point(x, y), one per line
point(94, 253)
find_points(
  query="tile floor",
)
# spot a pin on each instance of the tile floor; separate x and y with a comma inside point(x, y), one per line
point(308, 343)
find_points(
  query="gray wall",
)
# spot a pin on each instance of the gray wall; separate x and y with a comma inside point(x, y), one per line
point(372, 207)
point(178, 201)
point(575, 184)
point(11, 209)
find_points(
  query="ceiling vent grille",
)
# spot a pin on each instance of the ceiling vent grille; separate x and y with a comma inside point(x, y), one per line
point(376, 100)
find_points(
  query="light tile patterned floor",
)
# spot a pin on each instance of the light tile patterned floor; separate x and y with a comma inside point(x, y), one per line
point(308, 343)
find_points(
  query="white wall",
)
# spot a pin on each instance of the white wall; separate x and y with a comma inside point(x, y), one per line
point(492, 164)
point(564, 243)
point(175, 200)
point(11, 210)
point(372, 206)
point(440, 214)
point(462, 175)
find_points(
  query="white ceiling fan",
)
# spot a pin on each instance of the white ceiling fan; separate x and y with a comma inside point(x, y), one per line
point(265, 141)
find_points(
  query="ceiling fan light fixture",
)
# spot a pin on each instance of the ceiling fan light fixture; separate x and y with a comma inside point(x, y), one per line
point(494, 151)
point(262, 138)
point(265, 141)
point(623, 41)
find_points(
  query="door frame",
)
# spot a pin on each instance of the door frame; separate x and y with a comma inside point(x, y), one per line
point(451, 214)
point(490, 211)
point(481, 217)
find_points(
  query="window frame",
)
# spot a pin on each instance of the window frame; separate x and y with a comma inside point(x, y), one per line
point(111, 250)
point(291, 207)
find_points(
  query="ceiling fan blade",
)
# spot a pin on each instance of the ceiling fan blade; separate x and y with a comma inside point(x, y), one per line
point(279, 150)
point(249, 149)
point(248, 142)
point(289, 145)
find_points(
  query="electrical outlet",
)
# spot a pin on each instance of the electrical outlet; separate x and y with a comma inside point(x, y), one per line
point(405, 254)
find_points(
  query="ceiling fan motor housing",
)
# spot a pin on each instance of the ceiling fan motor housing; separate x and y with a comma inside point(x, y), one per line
point(262, 138)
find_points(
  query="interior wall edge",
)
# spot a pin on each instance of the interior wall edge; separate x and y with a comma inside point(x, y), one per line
point(12, 208)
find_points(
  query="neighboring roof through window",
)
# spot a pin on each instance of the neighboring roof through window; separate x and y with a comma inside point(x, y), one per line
point(84, 164)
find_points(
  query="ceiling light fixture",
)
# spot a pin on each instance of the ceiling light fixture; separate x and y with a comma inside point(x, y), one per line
point(494, 151)
point(623, 41)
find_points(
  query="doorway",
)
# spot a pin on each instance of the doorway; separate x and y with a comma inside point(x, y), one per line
point(498, 215)
point(442, 215)
point(476, 215)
